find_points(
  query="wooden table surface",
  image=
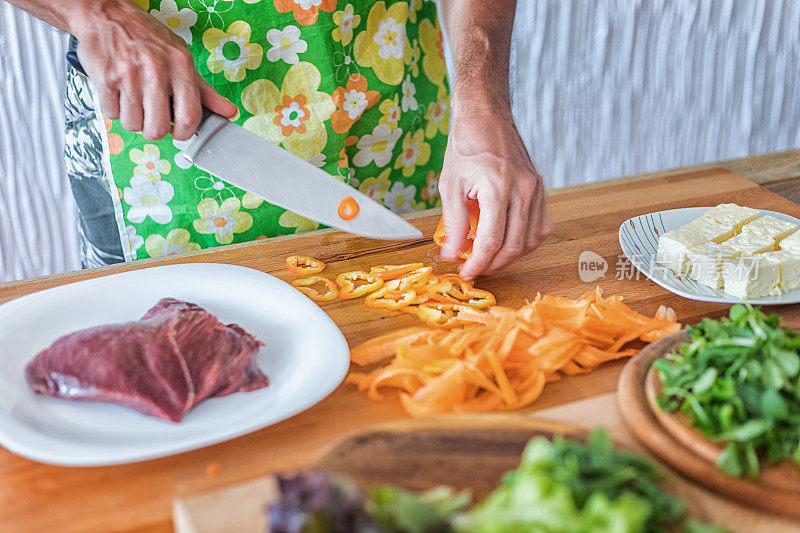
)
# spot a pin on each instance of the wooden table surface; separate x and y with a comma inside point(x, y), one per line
point(137, 497)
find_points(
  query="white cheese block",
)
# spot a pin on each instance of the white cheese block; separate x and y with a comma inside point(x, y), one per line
point(771, 227)
point(790, 269)
point(791, 243)
point(748, 243)
point(710, 229)
point(704, 262)
point(733, 215)
point(753, 276)
point(672, 246)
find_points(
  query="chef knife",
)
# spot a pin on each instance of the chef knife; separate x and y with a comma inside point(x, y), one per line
point(254, 164)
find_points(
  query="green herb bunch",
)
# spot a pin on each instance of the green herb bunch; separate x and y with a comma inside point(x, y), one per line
point(738, 379)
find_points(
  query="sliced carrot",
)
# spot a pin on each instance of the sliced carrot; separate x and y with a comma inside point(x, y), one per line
point(500, 358)
point(385, 346)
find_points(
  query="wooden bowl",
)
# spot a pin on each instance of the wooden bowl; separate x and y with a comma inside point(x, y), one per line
point(684, 448)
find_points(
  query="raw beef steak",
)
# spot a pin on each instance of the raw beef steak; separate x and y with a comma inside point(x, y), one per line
point(176, 356)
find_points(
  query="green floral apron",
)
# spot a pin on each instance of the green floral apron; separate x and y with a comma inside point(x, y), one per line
point(356, 88)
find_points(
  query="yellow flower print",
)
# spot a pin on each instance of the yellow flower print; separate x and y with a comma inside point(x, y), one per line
point(251, 201)
point(413, 7)
point(384, 45)
point(177, 242)
point(375, 188)
point(144, 4)
point(345, 22)
point(222, 221)
point(412, 58)
point(293, 116)
point(430, 37)
point(391, 112)
point(438, 114)
point(415, 152)
point(293, 220)
point(149, 163)
point(232, 52)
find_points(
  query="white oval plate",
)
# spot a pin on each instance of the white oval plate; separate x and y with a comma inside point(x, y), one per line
point(305, 357)
point(638, 237)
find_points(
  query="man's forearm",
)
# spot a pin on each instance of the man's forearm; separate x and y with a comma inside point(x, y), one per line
point(480, 38)
point(59, 14)
point(70, 15)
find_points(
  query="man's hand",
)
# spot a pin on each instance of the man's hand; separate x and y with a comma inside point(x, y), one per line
point(486, 160)
point(136, 63)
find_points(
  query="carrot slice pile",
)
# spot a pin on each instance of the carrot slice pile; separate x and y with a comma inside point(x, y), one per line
point(501, 358)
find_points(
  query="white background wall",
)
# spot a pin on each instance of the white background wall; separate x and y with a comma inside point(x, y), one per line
point(38, 233)
point(603, 88)
point(608, 88)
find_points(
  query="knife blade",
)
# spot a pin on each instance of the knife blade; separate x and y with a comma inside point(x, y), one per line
point(254, 164)
point(250, 162)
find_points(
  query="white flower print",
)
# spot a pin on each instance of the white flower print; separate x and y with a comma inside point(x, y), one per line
point(148, 199)
point(210, 11)
point(318, 160)
point(178, 20)
point(391, 39)
point(409, 91)
point(293, 115)
point(305, 5)
point(213, 187)
point(400, 198)
point(286, 44)
point(410, 154)
point(345, 66)
point(377, 146)
point(180, 158)
point(134, 241)
point(355, 102)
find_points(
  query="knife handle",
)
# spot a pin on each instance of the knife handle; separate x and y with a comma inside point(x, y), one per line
point(72, 58)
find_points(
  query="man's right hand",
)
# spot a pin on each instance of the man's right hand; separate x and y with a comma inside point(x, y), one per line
point(137, 64)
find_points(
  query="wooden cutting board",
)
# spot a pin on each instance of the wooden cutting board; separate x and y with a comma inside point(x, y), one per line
point(778, 489)
point(138, 497)
point(471, 451)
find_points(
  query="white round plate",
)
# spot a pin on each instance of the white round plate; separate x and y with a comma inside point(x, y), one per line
point(638, 237)
point(305, 357)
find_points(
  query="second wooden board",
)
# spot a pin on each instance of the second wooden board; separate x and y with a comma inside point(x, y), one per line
point(670, 444)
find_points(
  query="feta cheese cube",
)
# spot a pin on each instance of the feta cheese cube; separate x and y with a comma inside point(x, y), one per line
point(710, 229)
point(790, 269)
point(790, 243)
point(733, 215)
point(771, 227)
point(672, 246)
point(705, 262)
point(748, 243)
point(752, 277)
